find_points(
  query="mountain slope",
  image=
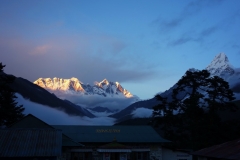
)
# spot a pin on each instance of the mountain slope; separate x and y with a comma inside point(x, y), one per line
point(127, 112)
point(220, 66)
point(39, 95)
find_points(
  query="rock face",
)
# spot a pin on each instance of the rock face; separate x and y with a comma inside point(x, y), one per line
point(73, 85)
point(220, 66)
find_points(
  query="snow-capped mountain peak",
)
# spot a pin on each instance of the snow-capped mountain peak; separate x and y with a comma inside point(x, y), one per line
point(75, 80)
point(113, 88)
point(104, 82)
point(60, 84)
point(220, 66)
point(74, 86)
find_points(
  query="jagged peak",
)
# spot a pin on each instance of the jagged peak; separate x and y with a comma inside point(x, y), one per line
point(104, 87)
point(39, 79)
point(117, 84)
point(57, 79)
point(105, 81)
point(74, 79)
point(102, 83)
point(220, 65)
point(220, 60)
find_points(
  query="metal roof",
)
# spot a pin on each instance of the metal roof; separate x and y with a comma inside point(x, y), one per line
point(30, 121)
point(228, 150)
point(30, 142)
point(106, 134)
point(68, 142)
point(114, 150)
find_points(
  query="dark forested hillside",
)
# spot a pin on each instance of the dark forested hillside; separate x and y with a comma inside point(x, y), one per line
point(39, 95)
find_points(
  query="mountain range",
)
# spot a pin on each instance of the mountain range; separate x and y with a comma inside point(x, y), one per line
point(99, 97)
point(74, 86)
point(49, 92)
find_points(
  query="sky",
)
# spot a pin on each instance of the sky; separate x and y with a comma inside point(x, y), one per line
point(146, 46)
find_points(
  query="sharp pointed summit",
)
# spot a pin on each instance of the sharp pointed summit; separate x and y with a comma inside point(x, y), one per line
point(104, 82)
point(220, 66)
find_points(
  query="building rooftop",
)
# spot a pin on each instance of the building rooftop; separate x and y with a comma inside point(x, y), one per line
point(106, 134)
point(30, 142)
point(31, 122)
point(228, 150)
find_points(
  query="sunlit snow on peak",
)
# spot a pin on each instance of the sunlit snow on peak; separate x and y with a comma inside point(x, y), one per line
point(220, 66)
point(104, 88)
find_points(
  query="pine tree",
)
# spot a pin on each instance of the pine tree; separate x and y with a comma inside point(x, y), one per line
point(197, 98)
point(10, 112)
point(220, 95)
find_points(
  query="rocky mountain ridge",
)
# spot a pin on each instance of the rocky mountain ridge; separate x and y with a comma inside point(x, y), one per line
point(220, 66)
point(74, 86)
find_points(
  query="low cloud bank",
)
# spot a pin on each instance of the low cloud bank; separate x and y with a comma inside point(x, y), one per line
point(101, 114)
point(56, 117)
point(142, 113)
point(91, 101)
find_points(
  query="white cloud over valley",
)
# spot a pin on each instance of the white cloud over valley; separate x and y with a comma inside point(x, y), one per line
point(142, 113)
point(91, 101)
point(56, 117)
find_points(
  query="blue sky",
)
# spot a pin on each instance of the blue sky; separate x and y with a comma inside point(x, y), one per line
point(145, 45)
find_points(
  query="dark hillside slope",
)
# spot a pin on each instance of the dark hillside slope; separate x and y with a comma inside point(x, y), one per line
point(41, 96)
point(141, 104)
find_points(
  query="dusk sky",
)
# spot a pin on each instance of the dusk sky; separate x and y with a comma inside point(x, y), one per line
point(145, 45)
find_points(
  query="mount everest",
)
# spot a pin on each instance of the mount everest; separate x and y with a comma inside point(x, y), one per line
point(109, 95)
point(74, 86)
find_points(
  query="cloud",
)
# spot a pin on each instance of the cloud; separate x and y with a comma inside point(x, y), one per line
point(142, 113)
point(41, 49)
point(190, 37)
point(166, 25)
point(101, 114)
point(118, 46)
point(91, 101)
point(192, 8)
point(180, 41)
point(68, 56)
point(198, 5)
point(61, 47)
point(208, 31)
point(108, 45)
point(236, 46)
point(57, 117)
